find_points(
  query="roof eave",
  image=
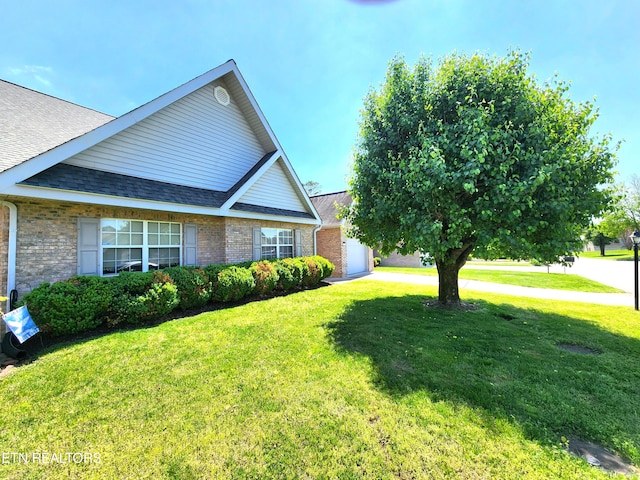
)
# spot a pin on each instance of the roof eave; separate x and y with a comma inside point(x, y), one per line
point(126, 202)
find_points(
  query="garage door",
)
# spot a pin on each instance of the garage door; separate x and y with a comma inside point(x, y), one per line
point(357, 257)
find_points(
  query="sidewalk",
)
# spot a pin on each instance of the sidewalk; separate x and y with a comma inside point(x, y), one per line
point(615, 299)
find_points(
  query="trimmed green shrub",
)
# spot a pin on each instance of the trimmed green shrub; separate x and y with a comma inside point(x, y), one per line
point(72, 306)
point(194, 287)
point(125, 286)
point(135, 283)
point(325, 266)
point(233, 284)
point(214, 269)
point(298, 268)
point(212, 272)
point(313, 275)
point(286, 278)
point(265, 276)
point(159, 300)
point(142, 297)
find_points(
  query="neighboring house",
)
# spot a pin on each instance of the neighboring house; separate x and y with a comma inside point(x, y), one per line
point(616, 245)
point(348, 255)
point(194, 177)
point(397, 260)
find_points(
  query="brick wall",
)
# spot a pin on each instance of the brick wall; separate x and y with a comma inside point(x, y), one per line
point(46, 242)
point(210, 239)
point(48, 232)
point(330, 245)
point(239, 237)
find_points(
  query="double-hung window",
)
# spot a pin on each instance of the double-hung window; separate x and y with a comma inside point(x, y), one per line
point(139, 245)
point(277, 243)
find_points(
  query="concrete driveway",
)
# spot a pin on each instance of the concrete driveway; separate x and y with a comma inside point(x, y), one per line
point(618, 274)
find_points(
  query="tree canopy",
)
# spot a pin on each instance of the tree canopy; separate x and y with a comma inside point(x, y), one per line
point(312, 187)
point(472, 154)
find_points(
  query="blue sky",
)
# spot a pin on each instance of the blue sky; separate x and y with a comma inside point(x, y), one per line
point(309, 63)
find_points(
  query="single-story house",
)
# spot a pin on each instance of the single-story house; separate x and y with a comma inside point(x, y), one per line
point(348, 255)
point(194, 177)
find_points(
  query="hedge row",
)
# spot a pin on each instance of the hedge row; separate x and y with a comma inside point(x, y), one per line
point(83, 303)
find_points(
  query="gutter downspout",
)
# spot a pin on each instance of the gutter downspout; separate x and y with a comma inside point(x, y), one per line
point(11, 251)
point(315, 240)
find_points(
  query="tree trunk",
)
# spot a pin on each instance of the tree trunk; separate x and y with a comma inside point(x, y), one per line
point(448, 293)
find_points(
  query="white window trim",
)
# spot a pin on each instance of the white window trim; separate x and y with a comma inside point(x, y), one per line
point(277, 245)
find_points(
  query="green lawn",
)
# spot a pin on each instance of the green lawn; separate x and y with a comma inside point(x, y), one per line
point(556, 281)
point(354, 380)
point(624, 255)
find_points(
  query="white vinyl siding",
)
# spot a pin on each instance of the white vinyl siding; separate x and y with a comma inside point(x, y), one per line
point(213, 145)
point(251, 111)
point(274, 189)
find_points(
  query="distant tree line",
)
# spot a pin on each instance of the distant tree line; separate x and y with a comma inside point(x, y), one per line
point(622, 219)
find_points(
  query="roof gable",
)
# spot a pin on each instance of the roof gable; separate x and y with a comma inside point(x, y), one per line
point(227, 72)
point(275, 188)
point(184, 139)
point(213, 145)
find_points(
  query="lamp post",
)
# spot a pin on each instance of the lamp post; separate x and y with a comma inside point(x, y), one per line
point(635, 238)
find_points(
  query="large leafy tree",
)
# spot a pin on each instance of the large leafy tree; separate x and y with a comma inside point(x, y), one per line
point(472, 154)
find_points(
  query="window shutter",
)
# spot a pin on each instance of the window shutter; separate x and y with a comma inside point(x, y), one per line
point(88, 246)
point(190, 244)
point(257, 243)
point(298, 242)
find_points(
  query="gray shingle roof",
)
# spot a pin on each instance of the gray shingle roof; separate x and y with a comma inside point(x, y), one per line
point(79, 179)
point(32, 123)
point(327, 209)
point(246, 207)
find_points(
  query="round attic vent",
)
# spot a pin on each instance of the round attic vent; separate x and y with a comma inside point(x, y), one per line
point(222, 96)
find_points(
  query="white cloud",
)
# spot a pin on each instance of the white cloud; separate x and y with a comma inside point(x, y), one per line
point(37, 72)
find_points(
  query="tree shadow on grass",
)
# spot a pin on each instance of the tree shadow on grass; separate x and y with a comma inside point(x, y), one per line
point(506, 362)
